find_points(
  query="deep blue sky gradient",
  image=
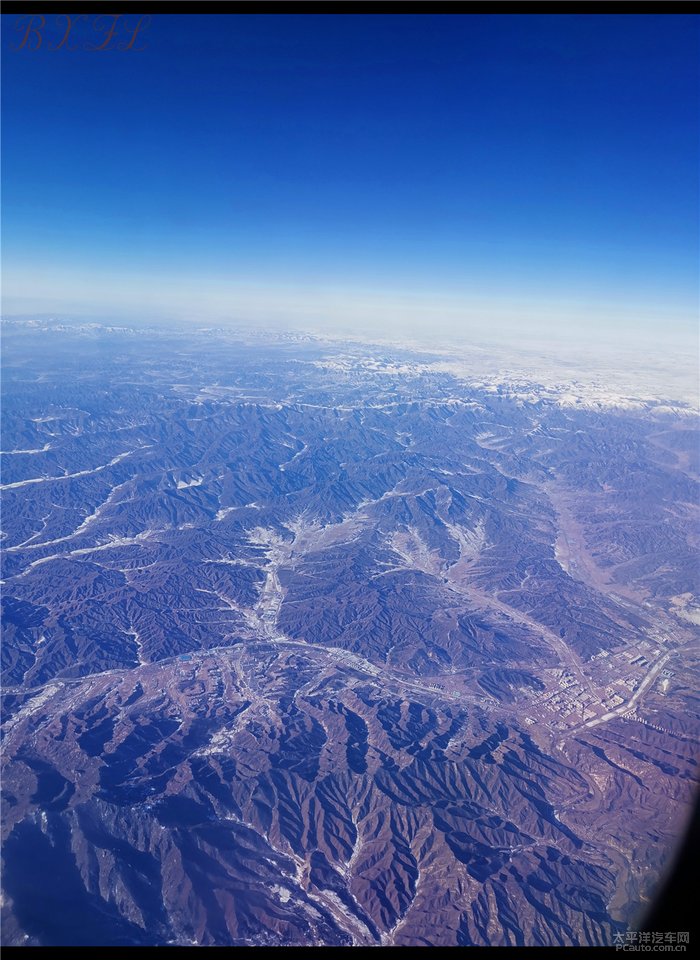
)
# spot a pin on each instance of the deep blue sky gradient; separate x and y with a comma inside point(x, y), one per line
point(551, 158)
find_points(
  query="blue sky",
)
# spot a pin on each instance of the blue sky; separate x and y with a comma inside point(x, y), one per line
point(353, 169)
